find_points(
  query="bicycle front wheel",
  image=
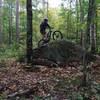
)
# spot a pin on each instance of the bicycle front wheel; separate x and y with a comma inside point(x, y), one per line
point(57, 35)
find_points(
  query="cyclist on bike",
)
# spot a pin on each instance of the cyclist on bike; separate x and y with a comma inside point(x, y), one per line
point(43, 26)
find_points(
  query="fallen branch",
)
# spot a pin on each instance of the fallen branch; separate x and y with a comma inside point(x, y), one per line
point(21, 93)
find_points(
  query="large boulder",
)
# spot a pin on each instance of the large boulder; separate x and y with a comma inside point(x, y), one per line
point(60, 52)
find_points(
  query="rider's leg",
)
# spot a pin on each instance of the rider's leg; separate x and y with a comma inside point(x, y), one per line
point(45, 36)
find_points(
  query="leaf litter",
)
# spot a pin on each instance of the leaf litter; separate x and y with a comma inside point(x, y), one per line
point(42, 84)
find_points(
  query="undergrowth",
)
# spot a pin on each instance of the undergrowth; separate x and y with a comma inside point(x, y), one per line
point(12, 51)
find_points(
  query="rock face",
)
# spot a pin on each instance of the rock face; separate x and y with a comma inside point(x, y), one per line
point(60, 52)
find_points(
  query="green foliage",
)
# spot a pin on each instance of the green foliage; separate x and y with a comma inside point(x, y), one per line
point(66, 18)
point(11, 52)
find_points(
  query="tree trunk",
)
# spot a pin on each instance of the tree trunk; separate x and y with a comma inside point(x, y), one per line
point(29, 31)
point(17, 21)
point(1, 22)
point(47, 8)
point(70, 16)
point(93, 37)
point(43, 6)
point(77, 21)
point(82, 22)
point(10, 23)
point(90, 36)
point(91, 25)
point(88, 25)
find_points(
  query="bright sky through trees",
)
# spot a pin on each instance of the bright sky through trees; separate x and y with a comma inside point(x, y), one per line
point(54, 3)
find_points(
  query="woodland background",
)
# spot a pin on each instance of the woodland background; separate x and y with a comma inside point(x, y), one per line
point(78, 20)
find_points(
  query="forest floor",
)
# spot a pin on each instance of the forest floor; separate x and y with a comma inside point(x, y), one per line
point(18, 83)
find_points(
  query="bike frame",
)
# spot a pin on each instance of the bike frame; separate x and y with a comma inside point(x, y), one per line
point(49, 34)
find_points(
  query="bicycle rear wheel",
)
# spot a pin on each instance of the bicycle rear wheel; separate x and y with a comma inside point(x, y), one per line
point(42, 42)
point(57, 35)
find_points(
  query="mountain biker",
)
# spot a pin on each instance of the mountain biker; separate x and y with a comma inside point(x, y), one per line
point(43, 26)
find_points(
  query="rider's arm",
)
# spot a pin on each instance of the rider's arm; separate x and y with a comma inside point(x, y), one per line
point(48, 25)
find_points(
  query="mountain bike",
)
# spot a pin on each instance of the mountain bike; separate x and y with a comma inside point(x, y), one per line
point(54, 34)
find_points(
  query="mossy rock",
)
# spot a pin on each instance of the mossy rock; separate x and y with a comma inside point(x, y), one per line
point(61, 52)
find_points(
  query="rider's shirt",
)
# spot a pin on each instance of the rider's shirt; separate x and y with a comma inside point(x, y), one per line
point(43, 26)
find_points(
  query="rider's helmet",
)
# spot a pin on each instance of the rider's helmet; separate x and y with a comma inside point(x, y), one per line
point(46, 19)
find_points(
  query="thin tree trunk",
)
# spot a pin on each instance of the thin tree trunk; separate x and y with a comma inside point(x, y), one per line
point(91, 25)
point(83, 43)
point(90, 29)
point(93, 37)
point(47, 8)
point(29, 31)
point(17, 21)
point(81, 22)
point(88, 24)
point(77, 21)
point(43, 6)
point(70, 28)
point(10, 23)
point(1, 27)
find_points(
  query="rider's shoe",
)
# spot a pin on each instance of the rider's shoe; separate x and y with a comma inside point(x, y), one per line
point(45, 44)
